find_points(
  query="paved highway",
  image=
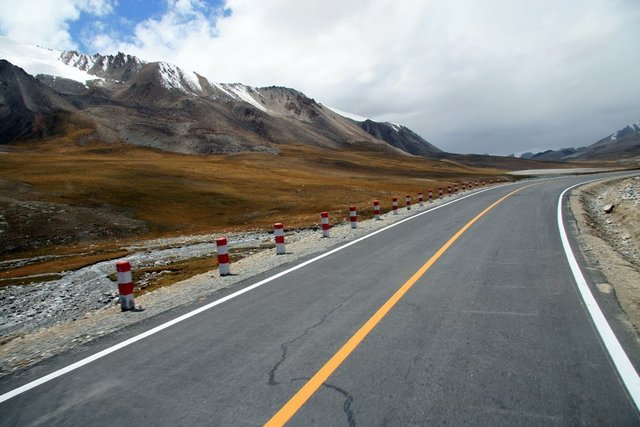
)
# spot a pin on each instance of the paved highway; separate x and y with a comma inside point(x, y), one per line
point(466, 314)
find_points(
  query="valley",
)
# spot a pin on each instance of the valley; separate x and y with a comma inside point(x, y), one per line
point(84, 202)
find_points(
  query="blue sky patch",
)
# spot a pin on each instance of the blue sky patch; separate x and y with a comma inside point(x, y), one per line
point(121, 23)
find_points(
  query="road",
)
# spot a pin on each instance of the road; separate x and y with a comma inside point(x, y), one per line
point(489, 329)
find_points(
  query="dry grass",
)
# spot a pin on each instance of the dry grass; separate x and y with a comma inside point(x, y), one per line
point(177, 194)
point(181, 193)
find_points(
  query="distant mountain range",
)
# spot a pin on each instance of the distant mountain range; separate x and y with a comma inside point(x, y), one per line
point(621, 144)
point(160, 105)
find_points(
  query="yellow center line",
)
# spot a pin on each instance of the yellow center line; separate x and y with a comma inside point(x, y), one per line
point(300, 398)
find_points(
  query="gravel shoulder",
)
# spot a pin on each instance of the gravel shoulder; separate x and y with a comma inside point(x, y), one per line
point(611, 241)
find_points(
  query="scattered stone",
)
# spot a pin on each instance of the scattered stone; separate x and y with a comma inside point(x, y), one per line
point(609, 208)
point(605, 288)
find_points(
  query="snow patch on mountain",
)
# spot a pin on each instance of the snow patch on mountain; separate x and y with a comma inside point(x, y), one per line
point(80, 61)
point(626, 131)
point(240, 91)
point(175, 78)
point(36, 60)
point(352, 116)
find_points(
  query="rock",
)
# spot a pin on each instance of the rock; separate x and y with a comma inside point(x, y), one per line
point(609, 208)
point(605, 288)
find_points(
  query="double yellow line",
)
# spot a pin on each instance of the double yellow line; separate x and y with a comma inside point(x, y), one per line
point(301, 397)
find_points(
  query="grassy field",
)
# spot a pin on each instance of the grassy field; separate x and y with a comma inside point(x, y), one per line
point(82, 202)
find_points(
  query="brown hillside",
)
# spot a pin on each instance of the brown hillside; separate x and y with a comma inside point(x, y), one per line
point(60, 193)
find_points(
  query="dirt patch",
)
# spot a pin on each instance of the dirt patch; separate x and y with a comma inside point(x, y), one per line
point(612, 240)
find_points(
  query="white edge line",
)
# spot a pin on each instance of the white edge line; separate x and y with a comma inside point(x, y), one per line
point(35, 383)
point(626, 371)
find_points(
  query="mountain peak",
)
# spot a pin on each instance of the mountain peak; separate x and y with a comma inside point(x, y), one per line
point(173, 77)
point(161, 105)
point(626, 131)
point(120, 67)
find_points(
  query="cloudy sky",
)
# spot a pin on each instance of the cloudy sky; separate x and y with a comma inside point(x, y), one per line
point(484, 76)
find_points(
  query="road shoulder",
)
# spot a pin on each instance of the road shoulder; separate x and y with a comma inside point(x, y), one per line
point(610, 242)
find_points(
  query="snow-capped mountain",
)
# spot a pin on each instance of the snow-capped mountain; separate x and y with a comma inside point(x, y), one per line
point(623, 143)
point(163, 106)
point(397, 135)
point(37, 60)
point(118, 67)
point(629, 130)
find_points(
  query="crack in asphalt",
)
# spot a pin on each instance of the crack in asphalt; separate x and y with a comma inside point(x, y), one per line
point(285, 349)
point(346, 406)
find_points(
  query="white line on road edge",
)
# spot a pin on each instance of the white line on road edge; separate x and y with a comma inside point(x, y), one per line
point(620, 359)
point(107, 351)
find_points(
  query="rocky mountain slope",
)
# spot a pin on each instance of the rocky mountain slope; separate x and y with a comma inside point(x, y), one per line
point(160, 105)
point(622, 144)
point(28, 108)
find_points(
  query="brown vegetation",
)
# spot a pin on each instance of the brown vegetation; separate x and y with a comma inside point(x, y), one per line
point(59, 196)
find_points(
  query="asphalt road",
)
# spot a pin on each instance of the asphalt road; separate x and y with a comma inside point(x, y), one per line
point(493, 333)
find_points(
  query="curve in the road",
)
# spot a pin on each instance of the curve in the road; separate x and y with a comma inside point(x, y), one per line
point(495, 333)
point(627, 372)
point(302, 396)
point(33, 384)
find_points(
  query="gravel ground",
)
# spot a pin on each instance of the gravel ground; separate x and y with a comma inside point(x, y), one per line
point(26, 308)
point(612, 241)
point(41, 320)
point(619, 228)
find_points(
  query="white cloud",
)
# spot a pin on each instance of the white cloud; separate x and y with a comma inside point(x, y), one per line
point(46, 22)
point(492, 76)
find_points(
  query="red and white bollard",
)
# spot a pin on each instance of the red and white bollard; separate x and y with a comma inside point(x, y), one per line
point(420, 199)
point(407, 199)
point(490, 181)
point(449, 191)
point(278, 232)
point(394, 205)
point(455, 189)
point(125, 285)
point(483, 184)
point(376, 209)
point(430, 196)
point(223, 256)
point(440, 193)
point(353, 217)
point(324, 220)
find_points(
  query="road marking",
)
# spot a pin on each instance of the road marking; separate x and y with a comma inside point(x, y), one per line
point(300, 398)
point(35, 383)
point(627, 372)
